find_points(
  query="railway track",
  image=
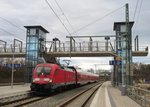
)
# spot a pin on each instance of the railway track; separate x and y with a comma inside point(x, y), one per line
point(22, 102)
point(17, 97)
point(52, 100)
point(81, 99)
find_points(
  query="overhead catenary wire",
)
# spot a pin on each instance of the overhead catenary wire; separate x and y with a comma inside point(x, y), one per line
point(11, 23)
point(64, 15)
point(140, 9)
point(135, 9)
point(57, 16)
point(93, 22)
point(11, 34)
point(138, 15)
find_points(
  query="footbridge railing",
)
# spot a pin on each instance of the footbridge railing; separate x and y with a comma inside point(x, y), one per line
point(10, 48)
point(94, 46)
point(59, 48)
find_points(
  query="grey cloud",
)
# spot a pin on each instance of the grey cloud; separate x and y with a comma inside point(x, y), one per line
point(79, 12)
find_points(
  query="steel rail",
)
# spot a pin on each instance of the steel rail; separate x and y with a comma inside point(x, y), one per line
point(16, 98)
point(79, 94)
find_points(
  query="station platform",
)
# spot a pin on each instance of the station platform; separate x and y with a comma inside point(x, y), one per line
point(106, 96)
point(109, 96)
point(6, 91)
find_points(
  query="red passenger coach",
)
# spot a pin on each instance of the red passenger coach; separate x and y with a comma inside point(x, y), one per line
point(52, 77)
point(86, 77)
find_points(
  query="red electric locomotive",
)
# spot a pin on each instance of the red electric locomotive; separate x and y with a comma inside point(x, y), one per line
point(51, 77)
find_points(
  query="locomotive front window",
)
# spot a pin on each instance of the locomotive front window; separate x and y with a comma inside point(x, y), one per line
point(44, 70)
point(39, 70)
point(47, 70)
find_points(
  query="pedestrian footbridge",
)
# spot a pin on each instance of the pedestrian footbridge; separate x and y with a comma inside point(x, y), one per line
point(78, 49)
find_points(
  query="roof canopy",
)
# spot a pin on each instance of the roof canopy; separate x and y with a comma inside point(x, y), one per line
point(37, 26)
point(122, 23)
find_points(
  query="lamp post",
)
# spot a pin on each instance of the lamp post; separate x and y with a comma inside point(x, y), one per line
point(12, 71)
point(107, 38)
point(95, 68)
point(55, 47)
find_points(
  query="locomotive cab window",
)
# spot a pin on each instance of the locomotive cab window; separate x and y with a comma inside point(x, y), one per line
point(44, 70)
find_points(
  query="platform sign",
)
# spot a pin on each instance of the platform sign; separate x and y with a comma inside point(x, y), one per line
point(15, 65)
point(119, 62)
point(118, 58)
point(114, 62)
point(119, 52)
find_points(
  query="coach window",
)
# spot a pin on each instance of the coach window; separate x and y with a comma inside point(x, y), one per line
point(73, 76)
point(78, 76)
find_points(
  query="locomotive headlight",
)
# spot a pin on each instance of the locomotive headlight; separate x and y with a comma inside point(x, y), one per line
point(50, 80)
point(46, 79)
point(36, 79)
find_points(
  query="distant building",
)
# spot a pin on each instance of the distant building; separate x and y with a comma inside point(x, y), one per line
point(141, 73)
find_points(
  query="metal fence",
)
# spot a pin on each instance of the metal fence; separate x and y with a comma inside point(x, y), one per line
point(141, 96)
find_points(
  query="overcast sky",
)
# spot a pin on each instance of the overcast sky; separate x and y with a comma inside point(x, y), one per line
point(80, 13)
